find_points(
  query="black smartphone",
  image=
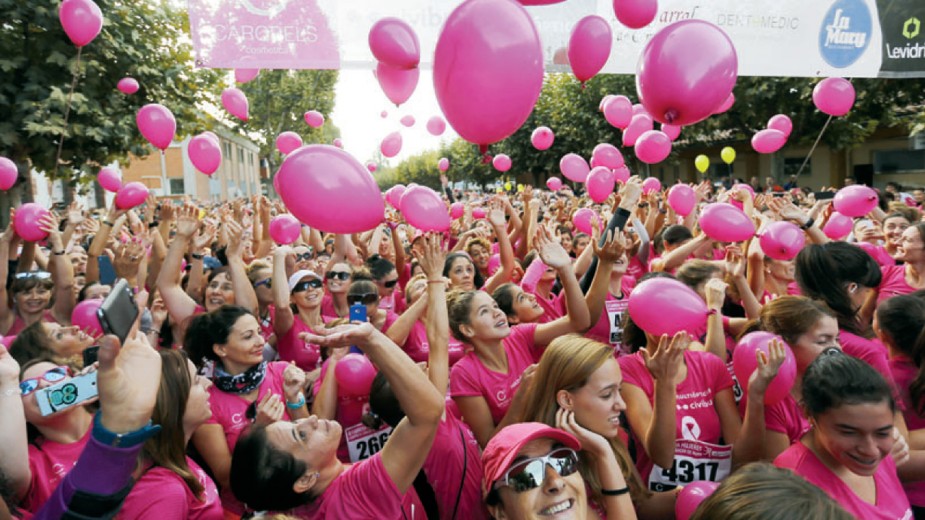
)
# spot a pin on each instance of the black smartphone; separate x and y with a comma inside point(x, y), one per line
point(824, 195)
point(91, 354)
point(119, 311)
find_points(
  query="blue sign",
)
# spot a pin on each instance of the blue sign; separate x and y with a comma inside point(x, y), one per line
point(845, 33)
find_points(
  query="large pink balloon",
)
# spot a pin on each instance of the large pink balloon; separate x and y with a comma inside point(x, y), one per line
point(726, 105)
point(397, 84)
point(407, 121)
point(424, 209)
point(653, 146)
point(589, 46)
point(131, 195)
point(635, 14)
point(286, 142)
point(8, 173)
point(691, 496)
point(110, 179)
point(744, 362)
point(782, 240)
point(245, 75)
point(834, 96)
point(488, 69)
point(640, 124)
point(768, 141)
point(554, 183)
point(600, 183)
point(855, 200)
point(354, 374)
point(542, 138)
point(314, 119)
point(618, 111)
point(606, 154)
point(584, 218)
point(443, 164)
point(326, 188)
point(205, 154)
point(838, 226)
point(726, 223)
point(82, 20)
point(84, 316)
point(285, 229)
point(127, 85)
point(574, 167)
point(394, 195)
point(391, 144)
point(157, 124)
point(27, 222)
point(650, 185)
point(781, 122)
point(395, 43)
point(656, 298)
point(686, 71)
point(501, 162)
point(235, 102)
point(682, 199)
point(436, 125)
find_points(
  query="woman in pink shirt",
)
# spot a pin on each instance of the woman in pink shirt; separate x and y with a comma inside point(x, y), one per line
point(909, 277)
point(334, 304)
point(297, 309)
point(847, 453)
point(410, 331)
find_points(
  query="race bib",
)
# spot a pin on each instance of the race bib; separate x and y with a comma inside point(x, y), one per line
point(737, 391)
point(693, 460)
point(363, 442)
point(615, 310)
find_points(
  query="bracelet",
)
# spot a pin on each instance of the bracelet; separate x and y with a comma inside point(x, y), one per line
point(153, 224)
point(11, 392)
point(58, 253)
point(108, 223)
point(152, 331)
point(299, 404)
point(615, 492)
point(197, 256)
point(435, 281)
point(809, 223)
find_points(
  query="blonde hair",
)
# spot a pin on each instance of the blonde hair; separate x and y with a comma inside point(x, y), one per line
point(414, 279)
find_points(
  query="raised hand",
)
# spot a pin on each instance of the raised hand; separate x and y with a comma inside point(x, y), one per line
point(187, 221)
point(75, 214)
point(293, 382)
point(359, 334)
point(665, 363)
point(715, 291)
point(551, 251)
point(614, 247)
point(269, 410)
point(433, 258)
point(591, 441)
point(128, 381)
point(768, 366)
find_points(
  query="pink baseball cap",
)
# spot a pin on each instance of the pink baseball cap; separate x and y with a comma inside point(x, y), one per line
point(503, 447)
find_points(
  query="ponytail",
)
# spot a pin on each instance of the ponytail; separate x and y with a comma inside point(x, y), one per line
point(901, 321)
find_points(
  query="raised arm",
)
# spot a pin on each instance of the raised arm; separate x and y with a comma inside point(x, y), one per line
point(613, 249)
point(577, 318)
point(62, 273)
point(437, 320)
point(7, 241)
point(283, 319)
point(14, 444)
point(498, 224)
point(179, 304)
point(245, 295)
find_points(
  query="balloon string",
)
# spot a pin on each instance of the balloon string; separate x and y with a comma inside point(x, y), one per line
point(811, 150)
point(67, 109)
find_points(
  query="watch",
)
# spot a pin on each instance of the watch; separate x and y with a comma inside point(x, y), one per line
point(123, 440)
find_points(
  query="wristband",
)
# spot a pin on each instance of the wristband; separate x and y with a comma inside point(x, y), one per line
point(122, 440)
point(615, 492)
point(299, 404)
point(197, 256)
point(108, 223)
point(809, 223)
point(153, 224)
point(58, 253)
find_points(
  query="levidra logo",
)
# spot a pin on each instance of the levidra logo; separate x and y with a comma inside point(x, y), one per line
point(845, 32)
point(911, 28)
point(912, 50)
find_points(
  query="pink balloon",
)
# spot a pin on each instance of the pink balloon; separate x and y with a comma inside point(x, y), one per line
point(314, 119)
point(436, 125)
point(443, 164)
point(407, 121)
point(397, 84)
point(457, 210)
point(384, 114)
point(84, 316)
point(635, 14)
point(82, 20)
point(589, 47)
point(855, 200)
point(8, 173)
point(211, 135)
point(28, 222)
point(744, 362)
point(618, 111)
point(542, 138)
point(235, 102)
point(501, 162)
point(726, 223)
point(600, 183)
point(554, 183)
point(682, 199)
point(488, 69)
point(423, 208)
point(782, 240)
point(653, 147)
point(393, 196)
point(395, 43)
point(354, 374)
point(621, 174)
point(654, 299)
point(204, 153)
point(540, 2)
point(326, 188)
point(128, 85)
point(286, 142)
point(727, 104)
point(639, 109)
point(640, 124)
point(391, 144)
point(686, 71)
point(604, 100)
point(285, 229)
point(606, 154)
point(337, 142)
point(574, 167)
point(651, 184)
point(834, 96)
point(781, 122)
point(746, 187)
point(371, 166)
point(584, 218)
point(131, 195)
point(838, 226)
point(691, 496)
point(245, 75)
point(157, 124)
point(672, 131)
point(110, 179)
point(478, 213)
point(769, 141)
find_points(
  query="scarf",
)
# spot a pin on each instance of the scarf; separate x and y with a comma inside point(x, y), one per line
point(242, 383)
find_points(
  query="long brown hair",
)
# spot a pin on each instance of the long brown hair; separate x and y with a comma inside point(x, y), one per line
point(567, 364)
point(789, 317)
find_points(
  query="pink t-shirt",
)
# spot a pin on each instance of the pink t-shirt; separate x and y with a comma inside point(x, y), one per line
point(291, 348)
point(891, 501)
point(609, 327)
point(328, 311)
point(19, 324)
point(893, 283)
point(49, 462)
point(698, 427)
point(469, 376)
point(878, 253)
point(160, 494)
point(872, 352)
point(350, 412)
point(636, 268)
point(904, 372)
point(454, 468)
point(418, 349)
point(553, 307)
point(786, 417)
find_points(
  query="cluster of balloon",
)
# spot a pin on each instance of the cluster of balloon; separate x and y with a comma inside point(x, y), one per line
point(436, 126)
point(855, 200)
point(354, 374)
point(726, 223)
point(396, 46)
point(245, 75)
point(110, 179)
point(838, 226)
point(782, 240)
point(554, 183)
point(128, 86)
point(391, 144)
point(656, 298)
point(584, 220)
point(702, 163)
point(82, 20)
point(589, 47)
point(287, 142)
point(285, 229)
point(205, 152)
point(501, 162)
point(8, 173)
point(488, 69)
point(314, 119)
point(744, 362)
point(28, 222)
point(682, 199)
point(691, 496)
point(235, 102)
point(407, 121)
point(131, 195)
point(600, 183)
point(443, 164)
point(686, 71)
point(328, 189)
point(774, 137)
point(542, 138)
point(423, 208)
point(834, 96)
point(157, 124)
point(635, 14)
point(85, 317)
point(653, 146)
point(574, 167)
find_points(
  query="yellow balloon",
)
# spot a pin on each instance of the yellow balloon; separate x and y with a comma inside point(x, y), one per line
point(520, 188)
point(728, 154)
point(702, 163)
point(507, 186)
point(202, 214)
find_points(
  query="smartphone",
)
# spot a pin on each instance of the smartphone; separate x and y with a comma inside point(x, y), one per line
point(357, 313)
point(119, 311)
point(107, 272)
point(67, 394)
point(824, 195)
point(91, 354)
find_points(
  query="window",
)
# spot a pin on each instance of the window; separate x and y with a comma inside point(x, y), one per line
point(176, 186)
point(899, 161)
point(228, 150)
point(792, 166)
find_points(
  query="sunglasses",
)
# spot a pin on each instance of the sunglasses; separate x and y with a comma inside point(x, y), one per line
point(365, 299)
point(304, 286)
point(54, 375)
point(299, 257)
point(41, 275)
point(389, 284)
point(529, 473)
point(340, 275)
point(266, 281)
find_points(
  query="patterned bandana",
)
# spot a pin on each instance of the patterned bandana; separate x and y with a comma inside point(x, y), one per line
point(242, 383)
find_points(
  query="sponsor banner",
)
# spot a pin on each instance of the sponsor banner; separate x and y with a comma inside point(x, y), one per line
point(849, 38)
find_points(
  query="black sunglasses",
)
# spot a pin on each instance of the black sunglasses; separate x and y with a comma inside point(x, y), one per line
point(340, 275)
point(303, 256)
point(389, 284)
point(266, 281)
point(365, 299)
point(528, 474)
point(314, 283)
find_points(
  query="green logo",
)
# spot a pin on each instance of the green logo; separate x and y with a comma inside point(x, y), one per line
point(65, 396)
point(911, 28)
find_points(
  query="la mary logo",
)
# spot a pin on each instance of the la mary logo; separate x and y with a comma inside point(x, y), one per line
point(845, 32)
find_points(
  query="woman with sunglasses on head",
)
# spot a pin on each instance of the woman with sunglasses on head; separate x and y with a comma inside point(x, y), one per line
point(297, 309)
point(386, 277)
point(44, 339)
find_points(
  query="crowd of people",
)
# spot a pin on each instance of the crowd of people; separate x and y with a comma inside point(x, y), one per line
point(490, 371)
